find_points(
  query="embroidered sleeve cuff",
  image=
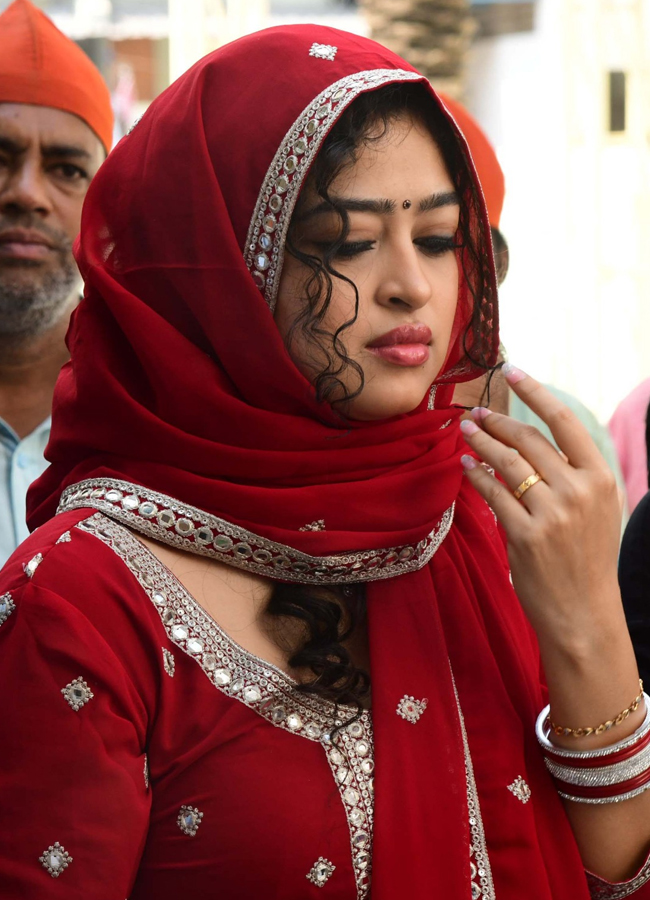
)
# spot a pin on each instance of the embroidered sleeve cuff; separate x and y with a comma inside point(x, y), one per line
point(639, 886)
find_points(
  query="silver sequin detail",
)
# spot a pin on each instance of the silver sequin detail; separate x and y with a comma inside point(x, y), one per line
point(478, 849)
point(281, 186)
point(55, 859)
point(323, 51)
point(189, 819)
point(7, 606)
point(318, 525)
point(244, 549)
point(169, 663)
point(145, 772)
point(432, 397)
point(350, 755)
point(65, 538)
point(321, 871)
point(411, 709)
point(264, 688)
point(77, 694)
point(520, 789)
point(30, 567)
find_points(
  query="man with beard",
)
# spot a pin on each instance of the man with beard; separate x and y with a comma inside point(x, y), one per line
point(55, 131)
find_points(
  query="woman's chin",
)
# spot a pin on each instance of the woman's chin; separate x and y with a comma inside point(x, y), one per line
point(376, 406)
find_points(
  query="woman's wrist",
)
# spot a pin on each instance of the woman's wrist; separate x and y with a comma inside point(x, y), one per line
point(592, 680)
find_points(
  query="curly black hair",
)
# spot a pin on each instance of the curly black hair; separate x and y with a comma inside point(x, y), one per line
point(327, 617)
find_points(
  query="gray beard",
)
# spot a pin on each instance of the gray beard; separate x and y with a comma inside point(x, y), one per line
point(29, 310)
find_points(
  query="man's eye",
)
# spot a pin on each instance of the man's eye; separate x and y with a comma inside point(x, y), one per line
point(69, 172)
point(437, 245)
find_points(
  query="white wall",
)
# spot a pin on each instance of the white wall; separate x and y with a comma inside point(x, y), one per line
point(576, 304)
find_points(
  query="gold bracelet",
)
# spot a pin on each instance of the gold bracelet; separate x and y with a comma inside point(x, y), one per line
point(604, 726)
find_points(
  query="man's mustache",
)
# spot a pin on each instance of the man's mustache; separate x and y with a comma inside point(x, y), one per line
point(57, 239)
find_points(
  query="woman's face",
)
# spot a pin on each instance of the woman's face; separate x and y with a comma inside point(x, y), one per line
point(403, 212)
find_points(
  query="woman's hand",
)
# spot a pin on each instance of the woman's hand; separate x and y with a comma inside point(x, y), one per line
point(563, 538)
point(563, 533)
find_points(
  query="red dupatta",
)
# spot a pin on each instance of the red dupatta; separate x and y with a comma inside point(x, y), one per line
point(179, 382)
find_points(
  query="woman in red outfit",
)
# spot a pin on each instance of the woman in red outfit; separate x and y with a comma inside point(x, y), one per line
point(268, 583)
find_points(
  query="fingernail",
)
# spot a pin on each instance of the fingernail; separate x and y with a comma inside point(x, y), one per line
point(480, 412)
point(512, 373)
point(468, 427)
point(468, 462)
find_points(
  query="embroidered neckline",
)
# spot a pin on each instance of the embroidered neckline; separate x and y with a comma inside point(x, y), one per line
point(258, 684)
point(172, 522)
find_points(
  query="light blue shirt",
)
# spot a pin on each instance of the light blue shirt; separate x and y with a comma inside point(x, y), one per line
point(21, 462)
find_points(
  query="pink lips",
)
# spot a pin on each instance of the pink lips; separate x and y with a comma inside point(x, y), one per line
point(19, 243)
point(407, 345)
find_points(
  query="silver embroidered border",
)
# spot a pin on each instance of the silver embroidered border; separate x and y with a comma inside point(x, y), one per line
point(268, 228)
point(605, 890)
point(258, 684)
point(474, 809)
point(172, 522)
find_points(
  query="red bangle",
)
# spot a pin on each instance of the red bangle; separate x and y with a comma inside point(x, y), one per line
point(597, 762)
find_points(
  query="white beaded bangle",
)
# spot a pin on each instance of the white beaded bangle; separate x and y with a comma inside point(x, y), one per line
point(542, 732)
point(601, 776)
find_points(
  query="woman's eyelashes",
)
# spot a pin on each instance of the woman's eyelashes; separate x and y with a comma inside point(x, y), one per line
point(435, 245)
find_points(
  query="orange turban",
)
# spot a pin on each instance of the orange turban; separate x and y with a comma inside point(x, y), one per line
point(41, 66)
point(489, 171)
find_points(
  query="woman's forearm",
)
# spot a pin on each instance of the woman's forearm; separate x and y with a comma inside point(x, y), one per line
point(592, 676)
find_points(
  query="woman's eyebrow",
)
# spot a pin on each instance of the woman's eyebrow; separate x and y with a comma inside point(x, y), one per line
point(381, 206)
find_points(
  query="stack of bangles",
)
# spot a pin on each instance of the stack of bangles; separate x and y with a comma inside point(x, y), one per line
point(603, 775)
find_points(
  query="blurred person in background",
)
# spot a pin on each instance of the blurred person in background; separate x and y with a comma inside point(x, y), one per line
point(628, 429)
point(55, 131)
point(472, 394)
point(634, 567)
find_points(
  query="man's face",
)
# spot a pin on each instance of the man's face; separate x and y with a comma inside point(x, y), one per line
point(47, 160)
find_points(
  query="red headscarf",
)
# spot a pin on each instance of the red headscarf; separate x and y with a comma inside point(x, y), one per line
point(179, 381)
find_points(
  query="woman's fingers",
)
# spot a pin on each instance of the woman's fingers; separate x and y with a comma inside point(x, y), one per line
point(512, 466)
point(512, 514)
point(526, 441)
point(570, 434)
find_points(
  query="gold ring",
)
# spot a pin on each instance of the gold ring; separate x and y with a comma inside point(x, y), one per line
point(528, 483)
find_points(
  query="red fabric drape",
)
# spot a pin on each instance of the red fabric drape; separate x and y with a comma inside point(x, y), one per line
point(179, 381)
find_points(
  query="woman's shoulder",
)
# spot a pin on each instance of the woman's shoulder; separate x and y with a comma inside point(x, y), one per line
point(70, 584)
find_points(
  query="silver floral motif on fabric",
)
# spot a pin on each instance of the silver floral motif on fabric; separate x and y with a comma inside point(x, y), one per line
point(30, 567)
point(55, 859)
point(479, 860)
point(323, 51)
point(432, 397)
point(179, 525)
point(520, 789)
point(318, 525)
point(188, 820)
point(605, 890)
point(411, 709)
point(268, 228)
point(77, 694)
point(261, 686)
point(7, 606)
point(169, 663)
point(145, 772)
point(321, 871)
point(65, 538)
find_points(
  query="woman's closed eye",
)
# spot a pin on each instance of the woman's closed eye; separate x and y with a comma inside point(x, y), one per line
point(435, 245)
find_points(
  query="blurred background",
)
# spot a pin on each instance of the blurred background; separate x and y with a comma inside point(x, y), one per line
point(562, 88)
